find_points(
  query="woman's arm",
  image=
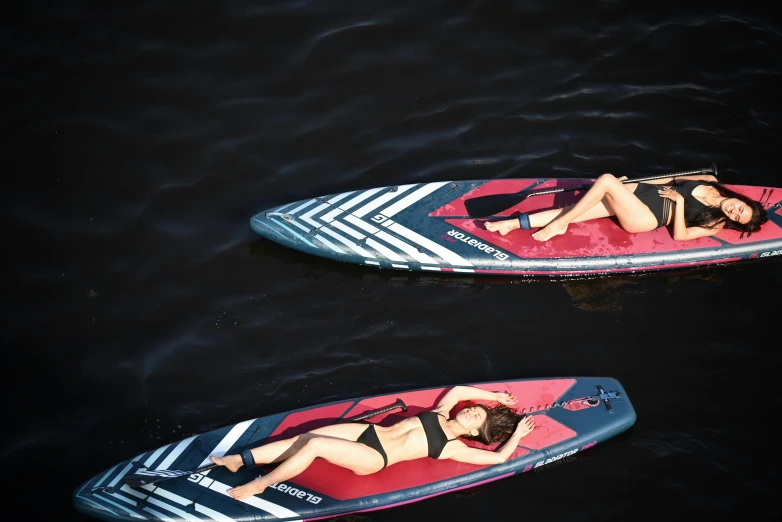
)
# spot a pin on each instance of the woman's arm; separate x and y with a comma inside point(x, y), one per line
point(470, 393)
point(464, 453)
point(681, 232)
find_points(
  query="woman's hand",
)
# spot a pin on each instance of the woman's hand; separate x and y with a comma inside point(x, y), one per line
point(505, 398)
point(669, 193)
point(621, 178)
point(526, 425)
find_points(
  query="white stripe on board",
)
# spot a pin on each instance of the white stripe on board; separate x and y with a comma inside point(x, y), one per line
point(302, 206)
point(181, 500)
point(109, 472)
point(388, 222)
point(450, 256)
point(312, 222)
point(345, 241)
point(400, 266)
point(211, 513)
point(329, 244)
point(367, 261)
point(467, 270)
point(120, 506)
point(340, 197)
point(434, 268)
point(381, 200)
point(121, 474)
point(229, 440)
point(152, 458)
point(176, 453)
point(128, 489)
point(390, 254)
point(360, 223)
point(172, 509)
point(124, 498)
point(270, 507)
point(329, 216)
point(313, 211)
point(349, 231)
point(301, 227)
point(159, 514)
point(412, 198)
point(361, 196)
point(167, 494)
point(406, 248)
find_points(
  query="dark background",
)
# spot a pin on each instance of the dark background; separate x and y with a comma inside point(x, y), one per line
point(140, 308)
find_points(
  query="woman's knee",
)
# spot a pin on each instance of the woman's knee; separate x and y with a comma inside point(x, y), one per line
point(311, 444)
point(605, 179)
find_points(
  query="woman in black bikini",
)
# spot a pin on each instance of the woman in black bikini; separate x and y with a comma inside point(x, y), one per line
point(696, 205)
point(368, 449)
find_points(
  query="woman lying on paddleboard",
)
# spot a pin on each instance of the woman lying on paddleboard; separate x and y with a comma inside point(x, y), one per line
point(696, 205)
point(368, 449)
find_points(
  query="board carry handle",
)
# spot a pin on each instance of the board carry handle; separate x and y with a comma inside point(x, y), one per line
point(490, 204)
point(144, 476)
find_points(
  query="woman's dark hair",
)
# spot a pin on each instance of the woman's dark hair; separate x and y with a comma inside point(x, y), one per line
point(500, 424)
point(711, 217)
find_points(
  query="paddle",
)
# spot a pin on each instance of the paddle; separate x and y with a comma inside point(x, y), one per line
point(489, 205)
point(144, 476)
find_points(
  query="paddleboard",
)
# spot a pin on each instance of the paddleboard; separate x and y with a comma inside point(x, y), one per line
point(572, 414)
point(427, 227)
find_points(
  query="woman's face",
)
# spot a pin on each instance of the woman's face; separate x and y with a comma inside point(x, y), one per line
point(736, 210)
point(471, 418)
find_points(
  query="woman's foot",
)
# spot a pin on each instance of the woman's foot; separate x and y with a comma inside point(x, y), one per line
point(555, 228)
point(232, 462)
point(503, 227)
point(254, 487)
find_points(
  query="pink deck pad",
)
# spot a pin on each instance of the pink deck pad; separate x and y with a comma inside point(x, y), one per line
point(599, 237)
point(307, 420)
point(343, 484)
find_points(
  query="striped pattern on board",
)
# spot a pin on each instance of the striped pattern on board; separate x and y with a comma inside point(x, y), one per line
point(362, 223)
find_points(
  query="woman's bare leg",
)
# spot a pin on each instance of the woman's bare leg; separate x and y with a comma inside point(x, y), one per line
point(544, 217)
point(282, 449)
point(632, 214)
point(358, 458)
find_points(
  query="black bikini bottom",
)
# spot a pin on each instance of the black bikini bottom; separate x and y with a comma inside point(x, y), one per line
point(660, 206)
point(369, 438)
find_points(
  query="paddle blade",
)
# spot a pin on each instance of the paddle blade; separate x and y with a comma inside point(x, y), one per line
point(145, 476)
point(489, 205)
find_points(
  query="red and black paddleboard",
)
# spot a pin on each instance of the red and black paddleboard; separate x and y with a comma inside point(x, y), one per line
point(571, 414)
point(430, 227)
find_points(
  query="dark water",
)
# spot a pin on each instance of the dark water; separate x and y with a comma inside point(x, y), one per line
point(140, 307)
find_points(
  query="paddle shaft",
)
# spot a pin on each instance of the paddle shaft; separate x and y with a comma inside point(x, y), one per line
point(491, 204)
point(710, 170)
point(361, 416)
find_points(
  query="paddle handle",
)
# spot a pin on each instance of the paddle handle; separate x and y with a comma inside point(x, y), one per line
point(371, 413)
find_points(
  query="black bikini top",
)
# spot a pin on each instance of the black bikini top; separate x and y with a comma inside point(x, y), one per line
point(692, 206)
point(436, 438)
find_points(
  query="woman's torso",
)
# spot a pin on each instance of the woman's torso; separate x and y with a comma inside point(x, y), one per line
point(696, 196)
point(406, 440)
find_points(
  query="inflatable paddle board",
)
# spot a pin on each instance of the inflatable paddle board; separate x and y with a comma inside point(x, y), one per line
point(430, 227)
point(571, 414)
